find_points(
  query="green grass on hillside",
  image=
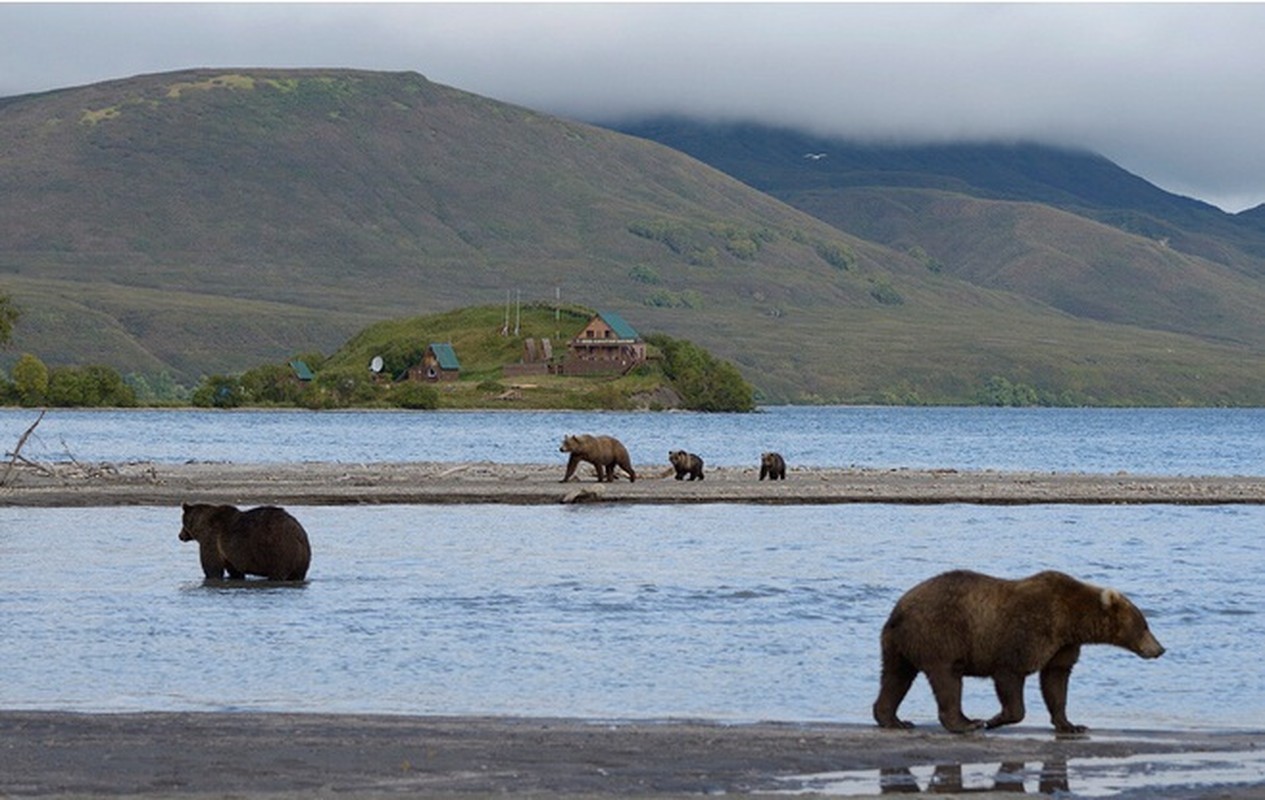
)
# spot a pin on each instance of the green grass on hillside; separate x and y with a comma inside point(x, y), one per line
point(206, 221)
point(486, 339)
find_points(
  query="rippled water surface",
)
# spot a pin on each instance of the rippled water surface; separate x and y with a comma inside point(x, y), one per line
point(1156, 441)
point(723, 612)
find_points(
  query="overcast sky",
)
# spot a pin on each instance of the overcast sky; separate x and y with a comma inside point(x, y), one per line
point(1172, 92)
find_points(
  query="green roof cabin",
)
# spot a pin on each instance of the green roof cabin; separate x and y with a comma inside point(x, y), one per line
point(301, 371)
point(439, 363)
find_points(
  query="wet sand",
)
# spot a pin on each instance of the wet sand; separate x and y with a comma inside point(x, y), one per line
point(484, 482)
point(293, 755)
point(152, 755)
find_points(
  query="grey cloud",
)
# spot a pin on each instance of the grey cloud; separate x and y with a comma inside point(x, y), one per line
point(1168, 91)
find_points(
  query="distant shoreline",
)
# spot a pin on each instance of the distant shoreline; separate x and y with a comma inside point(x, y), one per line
point(438, 483)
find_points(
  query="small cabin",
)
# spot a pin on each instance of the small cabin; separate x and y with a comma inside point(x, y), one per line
point(439, 363)
point(607, 345)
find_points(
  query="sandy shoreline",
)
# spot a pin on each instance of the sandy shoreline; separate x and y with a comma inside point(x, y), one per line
point(329, 483)
point(362, 756)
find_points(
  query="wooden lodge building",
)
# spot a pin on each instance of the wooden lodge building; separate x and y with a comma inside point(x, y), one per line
point(606, 346)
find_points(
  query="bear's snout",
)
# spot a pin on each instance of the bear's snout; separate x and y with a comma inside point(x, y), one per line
point(1150, 647)
point(185, 536)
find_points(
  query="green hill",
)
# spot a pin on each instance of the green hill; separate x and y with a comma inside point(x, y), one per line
point(1086, 269)
point(487, 342)
point(204, 221)
point(486, 338)
point(211, 220)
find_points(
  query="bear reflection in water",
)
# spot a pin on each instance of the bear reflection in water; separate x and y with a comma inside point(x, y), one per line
point(947, 779)
point(264, 541)
point(963, 623)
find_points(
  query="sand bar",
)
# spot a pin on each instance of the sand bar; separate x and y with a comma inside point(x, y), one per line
point(327, 483)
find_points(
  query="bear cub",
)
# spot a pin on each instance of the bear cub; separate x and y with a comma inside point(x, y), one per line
point(964, 623)
point(265, 541)
point(772, 466)
point(686, 464)
point(603, 452)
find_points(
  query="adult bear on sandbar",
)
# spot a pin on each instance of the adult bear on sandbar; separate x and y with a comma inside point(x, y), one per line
point(603, 452)
point(263, 541)
point(686, 464)
point(772, 466)
point(964, 623)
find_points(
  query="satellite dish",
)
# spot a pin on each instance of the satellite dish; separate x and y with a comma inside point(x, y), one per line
point(376, 364)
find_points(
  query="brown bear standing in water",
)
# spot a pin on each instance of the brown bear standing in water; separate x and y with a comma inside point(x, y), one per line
point(686, 464)
point(603, 452)
point(964, 623)
point(263, 541)
point(772, 466)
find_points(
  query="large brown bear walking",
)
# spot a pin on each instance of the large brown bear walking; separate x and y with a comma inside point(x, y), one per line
point(603, 452)
point(263, 541)
point(964, 623)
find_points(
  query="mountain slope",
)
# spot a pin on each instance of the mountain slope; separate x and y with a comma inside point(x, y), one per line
point(208, 221)
point(782, 161)
point(1087, 269)
point(1066, 228)
point(351, 197)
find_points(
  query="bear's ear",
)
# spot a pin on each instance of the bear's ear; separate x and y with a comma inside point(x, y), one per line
point(184, 506)
point(1110, 597)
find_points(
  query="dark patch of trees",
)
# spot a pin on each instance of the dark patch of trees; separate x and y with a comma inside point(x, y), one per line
point(704, 382)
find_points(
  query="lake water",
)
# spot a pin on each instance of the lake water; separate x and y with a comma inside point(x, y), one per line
point(725, 612)
point(1155, 441)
